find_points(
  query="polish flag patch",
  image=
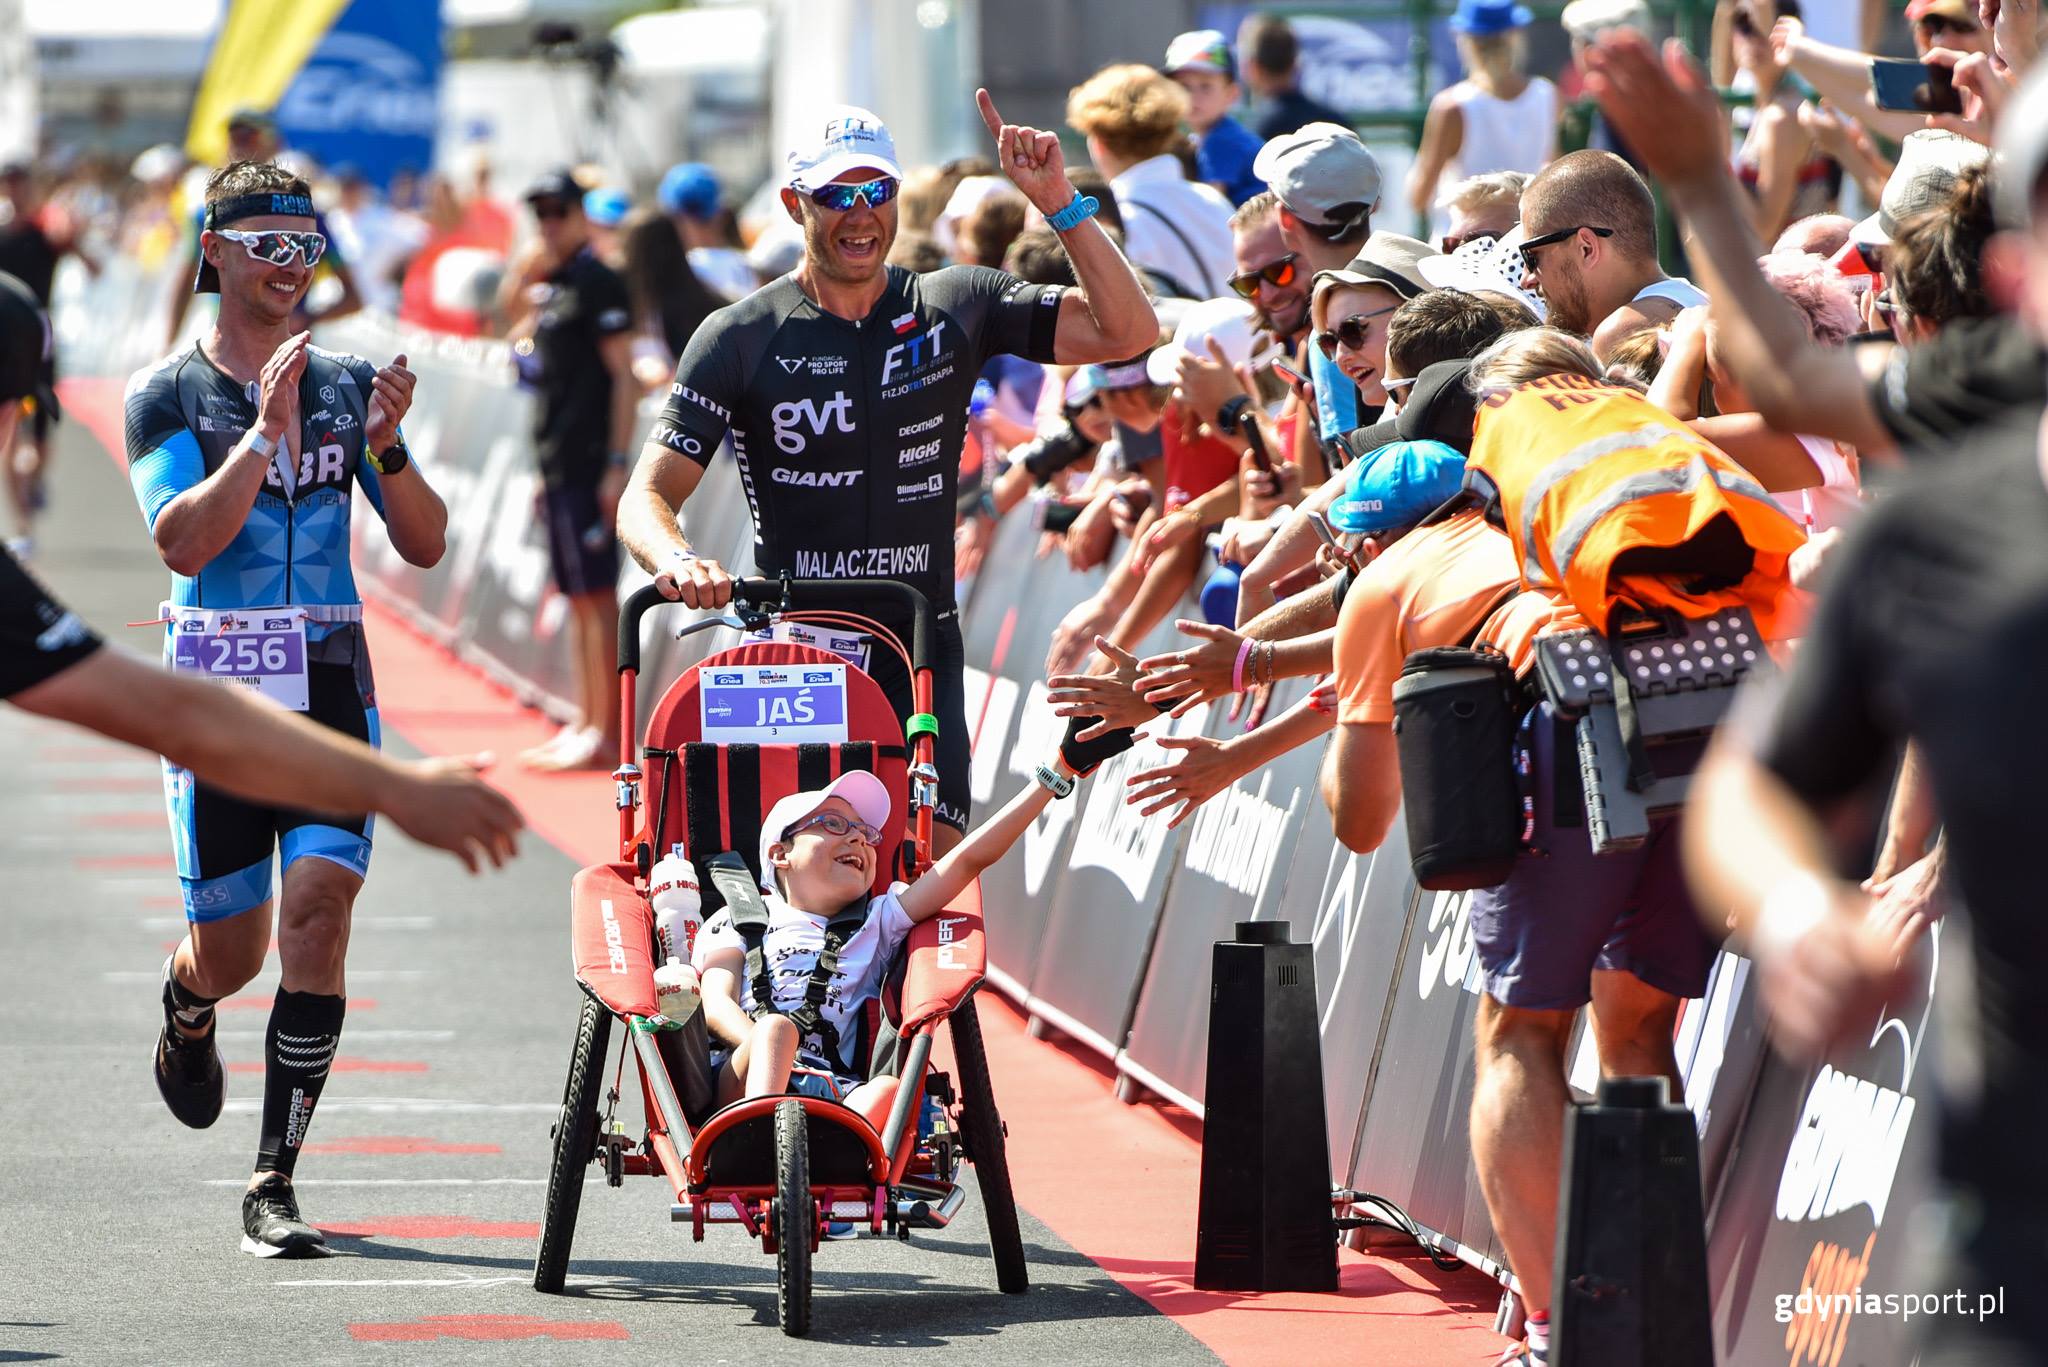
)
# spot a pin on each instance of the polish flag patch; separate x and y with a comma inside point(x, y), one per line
point(905, 323)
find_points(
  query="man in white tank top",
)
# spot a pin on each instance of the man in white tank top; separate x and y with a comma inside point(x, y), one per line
point(1589, 247)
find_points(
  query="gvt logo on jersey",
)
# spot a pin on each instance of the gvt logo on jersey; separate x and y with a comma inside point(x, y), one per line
point(836, 411)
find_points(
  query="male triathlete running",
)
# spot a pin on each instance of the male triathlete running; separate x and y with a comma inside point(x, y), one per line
point(845, 386)
point(244, 451)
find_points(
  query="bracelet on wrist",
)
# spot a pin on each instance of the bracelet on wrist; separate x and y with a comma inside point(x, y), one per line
point(260, 444)
point(1231, 414)
point(1079, 209)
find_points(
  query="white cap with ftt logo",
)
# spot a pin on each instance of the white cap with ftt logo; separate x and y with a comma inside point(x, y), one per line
point(849, 139)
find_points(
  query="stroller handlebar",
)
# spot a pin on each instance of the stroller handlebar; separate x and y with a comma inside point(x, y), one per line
point(793, 595)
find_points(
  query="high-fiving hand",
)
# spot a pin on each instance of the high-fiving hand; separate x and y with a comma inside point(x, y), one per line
point(1030, 157)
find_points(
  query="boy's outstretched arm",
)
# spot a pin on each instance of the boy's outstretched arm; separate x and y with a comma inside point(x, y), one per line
point(992, 839)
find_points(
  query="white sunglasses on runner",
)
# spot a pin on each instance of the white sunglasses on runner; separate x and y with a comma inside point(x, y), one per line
point(277, 247)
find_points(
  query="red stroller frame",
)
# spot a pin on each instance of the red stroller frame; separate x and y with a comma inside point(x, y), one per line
point(781, 1167)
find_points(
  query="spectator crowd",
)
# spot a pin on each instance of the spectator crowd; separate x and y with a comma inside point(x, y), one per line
point(1350, 445)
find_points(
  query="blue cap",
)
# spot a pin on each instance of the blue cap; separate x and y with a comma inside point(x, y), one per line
point(690, 188)
point(1219, 596)
point(1482, 17)
point(607, 208)
point(1397, 486)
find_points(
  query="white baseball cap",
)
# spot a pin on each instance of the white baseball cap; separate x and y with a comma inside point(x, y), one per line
point(859, 789)
point(848, 138)
point(1229, 321)
point(1484, 265)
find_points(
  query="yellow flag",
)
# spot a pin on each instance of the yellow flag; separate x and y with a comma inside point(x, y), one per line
point(261, 47)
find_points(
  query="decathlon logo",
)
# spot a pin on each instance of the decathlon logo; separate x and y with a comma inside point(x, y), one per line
point(614, 938)
point(835, 412)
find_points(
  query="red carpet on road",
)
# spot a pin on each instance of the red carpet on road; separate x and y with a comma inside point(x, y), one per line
point(1117, 1182)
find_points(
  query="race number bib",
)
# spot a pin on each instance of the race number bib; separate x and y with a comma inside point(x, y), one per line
point(774, 704)
point(850, 646)
point(260, 649)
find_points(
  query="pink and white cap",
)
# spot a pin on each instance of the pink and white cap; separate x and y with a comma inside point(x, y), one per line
point(859, 789)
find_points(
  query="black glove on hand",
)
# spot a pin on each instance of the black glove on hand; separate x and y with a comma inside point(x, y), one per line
point(1085, 757)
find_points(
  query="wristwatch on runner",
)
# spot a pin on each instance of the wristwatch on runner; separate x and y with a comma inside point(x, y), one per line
point(391, 459)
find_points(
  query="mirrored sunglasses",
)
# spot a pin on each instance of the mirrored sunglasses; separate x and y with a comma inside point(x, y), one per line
point(841, 198)
point(1279, 274)
point(277, 248)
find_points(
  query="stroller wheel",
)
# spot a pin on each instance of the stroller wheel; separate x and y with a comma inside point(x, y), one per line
point(981, 1133)
point(575, 1144)
point(795, 1219)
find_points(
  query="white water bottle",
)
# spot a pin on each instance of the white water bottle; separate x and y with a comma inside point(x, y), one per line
point(678, 907)
point(676, 993)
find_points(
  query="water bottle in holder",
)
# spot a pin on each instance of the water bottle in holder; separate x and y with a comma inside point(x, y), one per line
point(678, 916)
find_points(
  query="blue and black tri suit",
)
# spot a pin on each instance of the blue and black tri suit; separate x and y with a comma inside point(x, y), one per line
point(183, 417)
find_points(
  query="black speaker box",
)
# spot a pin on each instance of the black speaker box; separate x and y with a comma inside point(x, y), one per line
point(1266, 1222)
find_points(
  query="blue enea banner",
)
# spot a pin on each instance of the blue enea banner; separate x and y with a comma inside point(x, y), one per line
point(370, 95)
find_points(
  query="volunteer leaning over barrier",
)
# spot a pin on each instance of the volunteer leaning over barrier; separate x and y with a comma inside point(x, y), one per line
point(844, 387)
point(245, 451)
point(1608, 504)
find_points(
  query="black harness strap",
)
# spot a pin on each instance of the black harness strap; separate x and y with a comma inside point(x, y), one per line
point(743, 809)
point(809, 1018)
point(701, 832)
point(749, 911)
point(743, 902)
point(813, 766)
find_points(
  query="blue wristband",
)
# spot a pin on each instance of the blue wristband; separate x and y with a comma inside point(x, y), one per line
point(1080, 208)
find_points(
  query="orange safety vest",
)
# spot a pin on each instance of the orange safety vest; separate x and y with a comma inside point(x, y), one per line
point(1587, 472)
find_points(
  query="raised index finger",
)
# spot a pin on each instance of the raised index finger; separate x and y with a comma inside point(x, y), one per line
point(984, 102)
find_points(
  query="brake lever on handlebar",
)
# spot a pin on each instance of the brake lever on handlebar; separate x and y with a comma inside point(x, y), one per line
point(740, 619)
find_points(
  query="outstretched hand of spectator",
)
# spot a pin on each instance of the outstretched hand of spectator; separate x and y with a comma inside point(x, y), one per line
point(1665, 110)
point(1112, 698)
point(1200, 672)
point(1204, 769)
point(1030, 157)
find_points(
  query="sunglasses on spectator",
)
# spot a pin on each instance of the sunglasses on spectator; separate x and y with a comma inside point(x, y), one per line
point(1882, 302)
point(1351, 332)
point(1944, 23)
point(1452, 241)
point(834, 824)
point(841, 198)
point(1536, 244)
point(1279, 274)
point(277, 248)
point(1396, 386)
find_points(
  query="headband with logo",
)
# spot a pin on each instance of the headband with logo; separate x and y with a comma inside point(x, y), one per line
point(234, 209)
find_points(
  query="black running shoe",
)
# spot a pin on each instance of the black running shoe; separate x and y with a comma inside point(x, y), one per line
point(271, 1227)
point(188, 1070)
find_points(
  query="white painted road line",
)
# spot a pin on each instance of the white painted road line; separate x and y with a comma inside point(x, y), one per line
point(392, 1181)
point(350, 1033)
point(395, 1105)
point(355, 923)
point(355, 975)
point(367, 1282)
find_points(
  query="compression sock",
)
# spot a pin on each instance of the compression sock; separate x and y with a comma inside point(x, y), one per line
point(190, 1013)
point(304, 1029)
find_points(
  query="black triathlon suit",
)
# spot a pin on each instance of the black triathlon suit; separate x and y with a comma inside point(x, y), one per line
point(848, 437)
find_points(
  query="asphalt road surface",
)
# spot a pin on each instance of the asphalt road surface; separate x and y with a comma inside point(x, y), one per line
point(429, 1148)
